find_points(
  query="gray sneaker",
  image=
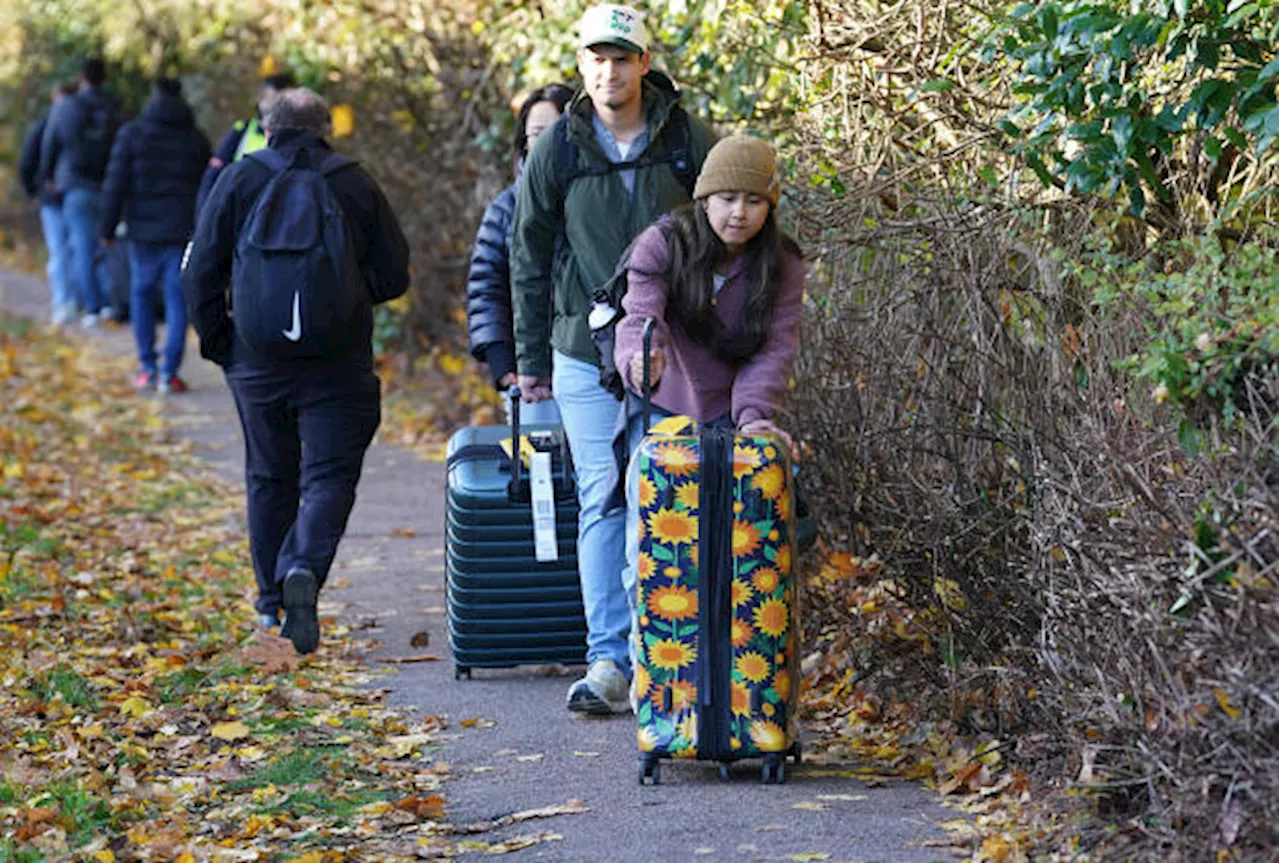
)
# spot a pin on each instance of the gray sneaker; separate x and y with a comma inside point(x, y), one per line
point(604, 690)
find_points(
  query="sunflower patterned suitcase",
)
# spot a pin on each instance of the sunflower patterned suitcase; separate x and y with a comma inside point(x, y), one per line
point(718, 638)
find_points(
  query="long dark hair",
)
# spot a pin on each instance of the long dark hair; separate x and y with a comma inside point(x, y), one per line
point(693, 253)
point(557, 94)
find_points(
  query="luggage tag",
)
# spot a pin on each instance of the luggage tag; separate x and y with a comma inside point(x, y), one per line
point(673, 426)
point(527, 449)
point(542, 493)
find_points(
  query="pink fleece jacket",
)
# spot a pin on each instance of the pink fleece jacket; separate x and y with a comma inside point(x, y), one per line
point(696, 382)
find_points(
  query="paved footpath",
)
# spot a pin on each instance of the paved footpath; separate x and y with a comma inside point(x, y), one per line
point(528, 751)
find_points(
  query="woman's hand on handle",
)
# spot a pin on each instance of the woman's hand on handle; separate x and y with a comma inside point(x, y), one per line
point(657, 365)
point(767, 426)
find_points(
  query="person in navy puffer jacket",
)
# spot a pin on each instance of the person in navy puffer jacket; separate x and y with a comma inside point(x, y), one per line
point(489, 281)
point(152, 179)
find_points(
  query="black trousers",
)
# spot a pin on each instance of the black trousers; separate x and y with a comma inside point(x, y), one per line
point(306, 430)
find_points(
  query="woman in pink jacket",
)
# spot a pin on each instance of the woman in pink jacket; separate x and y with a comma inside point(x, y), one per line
point(725, 288)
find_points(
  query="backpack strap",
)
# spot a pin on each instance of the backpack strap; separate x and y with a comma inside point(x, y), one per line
point(278, 162)
point(335, 162)
point(677, 140)
point(272, 159)
point(676, 152)
point(565, 155)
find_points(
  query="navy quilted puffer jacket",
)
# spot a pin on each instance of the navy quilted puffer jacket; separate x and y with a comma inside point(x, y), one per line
point(155, 169)
point(489, 288)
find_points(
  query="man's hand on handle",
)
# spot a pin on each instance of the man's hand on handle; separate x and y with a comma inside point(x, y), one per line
point(533, 389)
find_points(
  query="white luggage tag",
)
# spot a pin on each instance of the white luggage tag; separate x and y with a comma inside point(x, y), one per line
point(542, 493)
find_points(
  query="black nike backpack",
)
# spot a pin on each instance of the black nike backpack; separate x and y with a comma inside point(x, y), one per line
point(297, 287)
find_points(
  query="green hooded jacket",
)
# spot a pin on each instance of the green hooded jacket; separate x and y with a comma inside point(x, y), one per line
point(551, 294)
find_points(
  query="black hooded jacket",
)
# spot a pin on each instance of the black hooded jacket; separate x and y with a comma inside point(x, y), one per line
point(381, 251)
point(154, 173)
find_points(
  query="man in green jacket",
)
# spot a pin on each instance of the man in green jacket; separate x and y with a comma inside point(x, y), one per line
point(592, 183)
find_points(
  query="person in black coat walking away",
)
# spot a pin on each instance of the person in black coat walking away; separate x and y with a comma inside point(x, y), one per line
point(152, 179)
point(56, 240)
point(301, 374)
point(74, 153)
point(489, 281)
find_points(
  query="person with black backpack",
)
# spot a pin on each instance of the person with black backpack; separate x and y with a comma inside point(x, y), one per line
point(624, 153)
point(73, 162)
point(306, 244)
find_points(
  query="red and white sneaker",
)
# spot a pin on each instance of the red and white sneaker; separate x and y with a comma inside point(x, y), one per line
point(174, 384)
point(144, 381)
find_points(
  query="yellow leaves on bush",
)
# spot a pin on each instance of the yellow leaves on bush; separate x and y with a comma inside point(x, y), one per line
point(949, 594)
point(452, 364)
point(343, 119)
point(1224, 701)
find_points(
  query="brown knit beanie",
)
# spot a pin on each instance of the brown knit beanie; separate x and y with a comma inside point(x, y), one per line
point(740, 163)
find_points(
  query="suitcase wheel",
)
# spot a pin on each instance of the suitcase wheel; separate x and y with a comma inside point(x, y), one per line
point(724, 772)
point(774, 771)
point(461, 671)
point(647, 770)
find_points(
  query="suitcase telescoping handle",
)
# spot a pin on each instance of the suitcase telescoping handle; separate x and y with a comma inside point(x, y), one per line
point(514, 488)
point(647, 389)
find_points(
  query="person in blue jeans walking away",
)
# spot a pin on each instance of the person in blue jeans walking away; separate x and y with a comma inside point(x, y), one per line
point(61, 286)
point(725, 289)
point(152, 179)
point(302, 378)
point(570, 231)
point(73, 161)
point(489, 280)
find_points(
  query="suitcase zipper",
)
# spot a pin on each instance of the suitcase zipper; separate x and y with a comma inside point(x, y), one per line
point(715, 508)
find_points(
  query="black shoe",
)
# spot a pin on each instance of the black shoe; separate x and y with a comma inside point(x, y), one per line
point(301, 626)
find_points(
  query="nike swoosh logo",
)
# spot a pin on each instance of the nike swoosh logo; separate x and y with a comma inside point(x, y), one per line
point(294, 333)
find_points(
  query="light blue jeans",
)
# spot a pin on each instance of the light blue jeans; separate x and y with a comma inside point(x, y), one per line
point(589, 413)
point(82, 210)
point(61, 285)
point(156, 272)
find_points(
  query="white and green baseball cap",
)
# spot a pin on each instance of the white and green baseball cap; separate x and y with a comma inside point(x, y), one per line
point(608, 24)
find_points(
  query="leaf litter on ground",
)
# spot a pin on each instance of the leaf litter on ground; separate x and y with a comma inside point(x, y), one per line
point(143, 716)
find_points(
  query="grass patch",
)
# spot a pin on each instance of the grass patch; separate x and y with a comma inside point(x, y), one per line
point(343, 805)
point(11, 853)
point(296, 767)
point(9, 793)
point(84, 816)
point(175, 496)
point(182, 684)
point(66, 682)
point(18, 584)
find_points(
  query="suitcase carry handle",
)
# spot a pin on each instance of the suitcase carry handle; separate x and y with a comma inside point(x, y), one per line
point(517, 486)
point(646, 393)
